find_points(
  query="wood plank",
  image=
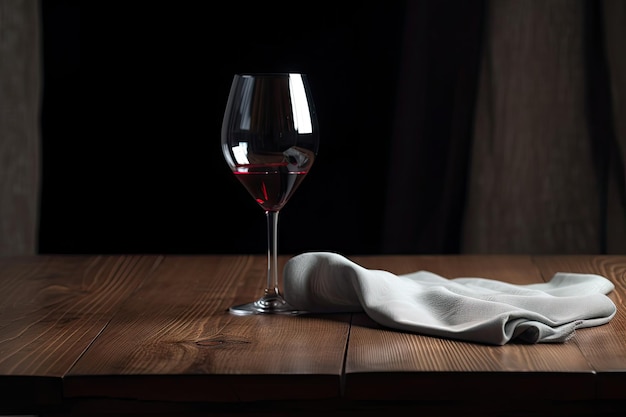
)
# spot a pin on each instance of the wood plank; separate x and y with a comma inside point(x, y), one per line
point(176, 337)
point(391, 365)
point(397, 365)
point(51, 310)
point(516, 269)
point(172, 345)
point(604, 347)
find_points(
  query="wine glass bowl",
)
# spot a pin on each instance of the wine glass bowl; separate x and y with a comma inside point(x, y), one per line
point(270, 140)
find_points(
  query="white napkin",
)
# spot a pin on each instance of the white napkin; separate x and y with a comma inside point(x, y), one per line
point(471, 309)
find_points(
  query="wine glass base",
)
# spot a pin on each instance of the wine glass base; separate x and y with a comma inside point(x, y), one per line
point(265, 305)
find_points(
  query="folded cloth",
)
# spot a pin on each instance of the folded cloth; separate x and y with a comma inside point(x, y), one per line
point(471, 309)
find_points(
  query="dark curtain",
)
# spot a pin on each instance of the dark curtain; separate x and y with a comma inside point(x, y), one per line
point(522, 153)
point(432, 133)
point(20, 95)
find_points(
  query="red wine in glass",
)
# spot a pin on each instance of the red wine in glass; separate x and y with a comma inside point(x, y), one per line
point(269, 140)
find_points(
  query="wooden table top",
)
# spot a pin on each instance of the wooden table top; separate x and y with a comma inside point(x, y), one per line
point(151, 334)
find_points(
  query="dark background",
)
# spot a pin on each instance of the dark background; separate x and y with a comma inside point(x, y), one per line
point(133, 101)
point(134, 94)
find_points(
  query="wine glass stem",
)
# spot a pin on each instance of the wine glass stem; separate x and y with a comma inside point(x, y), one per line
point(272, 253)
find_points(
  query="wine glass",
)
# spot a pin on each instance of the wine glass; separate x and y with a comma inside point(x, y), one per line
point(270, 139)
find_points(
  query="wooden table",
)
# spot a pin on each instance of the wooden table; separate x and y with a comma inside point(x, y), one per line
point(139, 334)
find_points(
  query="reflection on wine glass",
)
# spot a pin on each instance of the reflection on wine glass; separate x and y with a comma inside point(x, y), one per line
point(270, 139)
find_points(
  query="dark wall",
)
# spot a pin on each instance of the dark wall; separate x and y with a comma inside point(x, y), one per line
point(134, 94)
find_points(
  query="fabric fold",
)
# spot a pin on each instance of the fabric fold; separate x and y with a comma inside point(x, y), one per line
point(467, 308)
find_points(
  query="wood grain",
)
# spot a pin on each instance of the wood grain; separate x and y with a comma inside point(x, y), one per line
point(379, 358)
point(152, 335)
point(604, 347)
point(52, 308)
point(517, 269)
point(177, 327)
